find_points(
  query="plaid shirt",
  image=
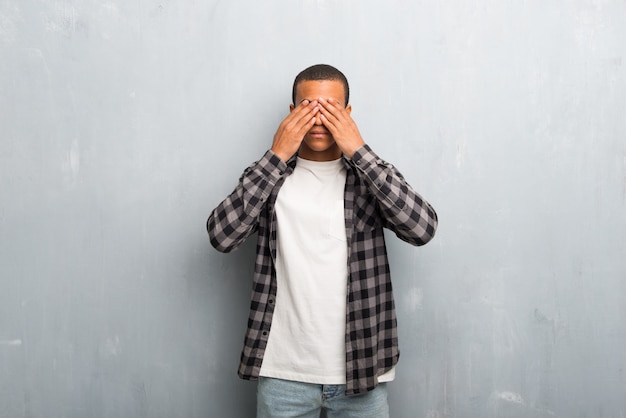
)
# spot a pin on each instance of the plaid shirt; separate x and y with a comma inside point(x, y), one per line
point(376, 196)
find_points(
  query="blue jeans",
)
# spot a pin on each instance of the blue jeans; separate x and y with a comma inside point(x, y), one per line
point(284, 398)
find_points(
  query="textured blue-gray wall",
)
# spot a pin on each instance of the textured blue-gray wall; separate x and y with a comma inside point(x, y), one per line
point(123, 123)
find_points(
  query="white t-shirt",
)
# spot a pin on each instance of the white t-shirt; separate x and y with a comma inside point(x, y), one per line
point(307, 338)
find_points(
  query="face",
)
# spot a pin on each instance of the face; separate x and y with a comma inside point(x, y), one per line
point(318, 143)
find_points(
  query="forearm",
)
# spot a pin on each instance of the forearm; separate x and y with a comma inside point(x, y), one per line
point(403, 210)
point(236, 217)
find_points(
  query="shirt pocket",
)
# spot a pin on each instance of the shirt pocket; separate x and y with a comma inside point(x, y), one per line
point(336, 221)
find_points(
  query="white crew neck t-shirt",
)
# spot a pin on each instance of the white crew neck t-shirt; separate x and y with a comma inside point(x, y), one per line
point(307, 337)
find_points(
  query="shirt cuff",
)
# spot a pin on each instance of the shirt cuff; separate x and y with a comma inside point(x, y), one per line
point(364, 157)
point(272, 166)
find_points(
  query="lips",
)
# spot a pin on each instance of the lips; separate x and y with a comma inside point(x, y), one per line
point(319, 133)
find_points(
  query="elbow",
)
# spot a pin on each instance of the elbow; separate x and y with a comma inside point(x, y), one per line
point(426, 237)
point(424, 231)
point(417, 237)
point(214, 239)
point(418, 240)
point(219, 247)
point(430, 228)
point(219, 244)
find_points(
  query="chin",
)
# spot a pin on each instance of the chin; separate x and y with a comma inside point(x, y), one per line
point(319, 145)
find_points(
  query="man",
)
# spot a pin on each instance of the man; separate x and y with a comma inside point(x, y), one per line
point(322, 327)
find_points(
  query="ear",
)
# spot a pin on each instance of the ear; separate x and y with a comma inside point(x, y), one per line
point(349, 109)
point(291, 108)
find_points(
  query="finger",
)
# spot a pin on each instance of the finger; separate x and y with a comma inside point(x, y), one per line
point(296, 129)
point(306, 127)
point(332, 110)
point(331, 105)
point(332, 128)
point(329, 120)
point(300, 116)
point(304, 109)
point(300, 109)
point(304, 119)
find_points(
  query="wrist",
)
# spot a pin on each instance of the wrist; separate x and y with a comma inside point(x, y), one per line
point(280, 154)
point(349, 151)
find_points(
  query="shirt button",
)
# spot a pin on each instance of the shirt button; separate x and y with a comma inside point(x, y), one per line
point(271, 301)
point(264, 333)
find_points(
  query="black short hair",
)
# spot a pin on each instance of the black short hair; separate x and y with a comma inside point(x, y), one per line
point(321, 72)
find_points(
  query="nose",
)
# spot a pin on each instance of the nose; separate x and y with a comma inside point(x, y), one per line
point(318, 119)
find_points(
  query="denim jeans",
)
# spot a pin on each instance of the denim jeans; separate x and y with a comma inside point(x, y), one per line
point(284, 398)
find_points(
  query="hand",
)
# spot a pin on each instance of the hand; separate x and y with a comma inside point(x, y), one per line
point(292, 129)
point(341, 126)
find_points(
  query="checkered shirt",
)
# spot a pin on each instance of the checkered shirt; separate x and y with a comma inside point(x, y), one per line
point(376, 196)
